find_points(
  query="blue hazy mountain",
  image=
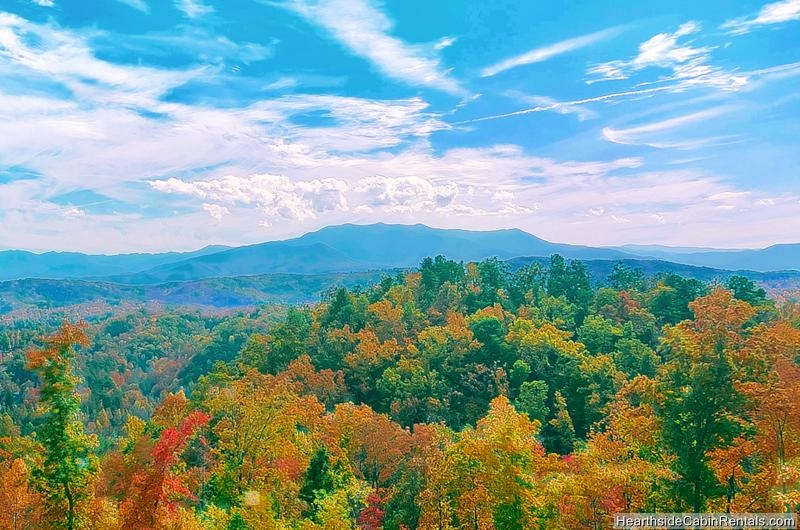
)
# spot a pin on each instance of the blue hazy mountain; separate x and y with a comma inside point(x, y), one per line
point(354, 248)
point(56, 265)
point(773, 258)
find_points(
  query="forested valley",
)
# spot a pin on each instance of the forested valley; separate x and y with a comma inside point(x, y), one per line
point(456, 396)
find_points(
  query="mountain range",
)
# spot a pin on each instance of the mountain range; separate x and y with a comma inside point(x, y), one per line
point(359, 248)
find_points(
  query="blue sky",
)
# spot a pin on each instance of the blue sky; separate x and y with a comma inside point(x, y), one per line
point(144, 125)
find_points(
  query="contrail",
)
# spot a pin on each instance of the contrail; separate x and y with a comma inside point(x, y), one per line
point(560, 104)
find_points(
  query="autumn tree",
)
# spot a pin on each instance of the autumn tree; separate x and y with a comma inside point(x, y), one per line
point(67, 464)
point(701, 405)
point(20, 503)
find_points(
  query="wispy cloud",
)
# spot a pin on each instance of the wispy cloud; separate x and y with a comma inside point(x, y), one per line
point(77, 120)
point(544, 53)
point(444, 42)
point(66, 58)
point(44, 3)
point(193, 8)
point(140, 5)
point(366, 31)
point(651, 134)
point(198, 43)
point(560, 106)
point(689, 65)
point(774, 13)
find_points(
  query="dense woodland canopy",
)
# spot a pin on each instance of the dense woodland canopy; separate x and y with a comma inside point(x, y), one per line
point(453, 397)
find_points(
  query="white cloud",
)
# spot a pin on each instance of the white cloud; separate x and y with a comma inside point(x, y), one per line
point(44, 3)
point(689, 65)
point(774, 13)
point(664, 50)
point(73, 213)
point(559, 106)
point(444, 42)
point(197, 42)
point(547, 52)
point(275, 196)
point(610, 71)
point(407, 193)
point(216, 211)
point(562, 107)
point(368, 159)
point(65, 57)
point(194, 8)
point(365, 30)
point(651, 134)
point(283, 83)
point(140, 5)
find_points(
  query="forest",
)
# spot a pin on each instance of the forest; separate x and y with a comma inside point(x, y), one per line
point(455, 396)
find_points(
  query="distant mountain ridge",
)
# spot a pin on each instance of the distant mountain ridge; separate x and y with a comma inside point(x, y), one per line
point(359, 248)
point(17, 264)
point(774, 258)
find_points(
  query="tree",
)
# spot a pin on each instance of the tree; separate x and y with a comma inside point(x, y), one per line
point(375, 445)
point(319, 480)
point(157, 489)
point(747, 291)
point(671, 298)
point(701, 406)
point(572, 282)
point(434, 273)
point(371, 517)
point(67, 463)
point(19, 503)
point(561, 433)
point(625, 278)
point(532, 400)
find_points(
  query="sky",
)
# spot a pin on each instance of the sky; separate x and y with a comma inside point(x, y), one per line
point(153, 125)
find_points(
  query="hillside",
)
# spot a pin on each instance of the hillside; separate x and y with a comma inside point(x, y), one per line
point(91, 297)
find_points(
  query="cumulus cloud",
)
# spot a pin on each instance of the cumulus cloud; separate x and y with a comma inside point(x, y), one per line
point(407, 193)
point(280, 199)
point(265, 163)
point(216, 211)
point(73, 213)
point(774, 13)
point(365, 30)
point(274, 195)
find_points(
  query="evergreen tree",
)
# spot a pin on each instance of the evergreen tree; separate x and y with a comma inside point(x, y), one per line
point(319, 481)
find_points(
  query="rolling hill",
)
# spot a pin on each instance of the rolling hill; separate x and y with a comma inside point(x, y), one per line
point(81, 298)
